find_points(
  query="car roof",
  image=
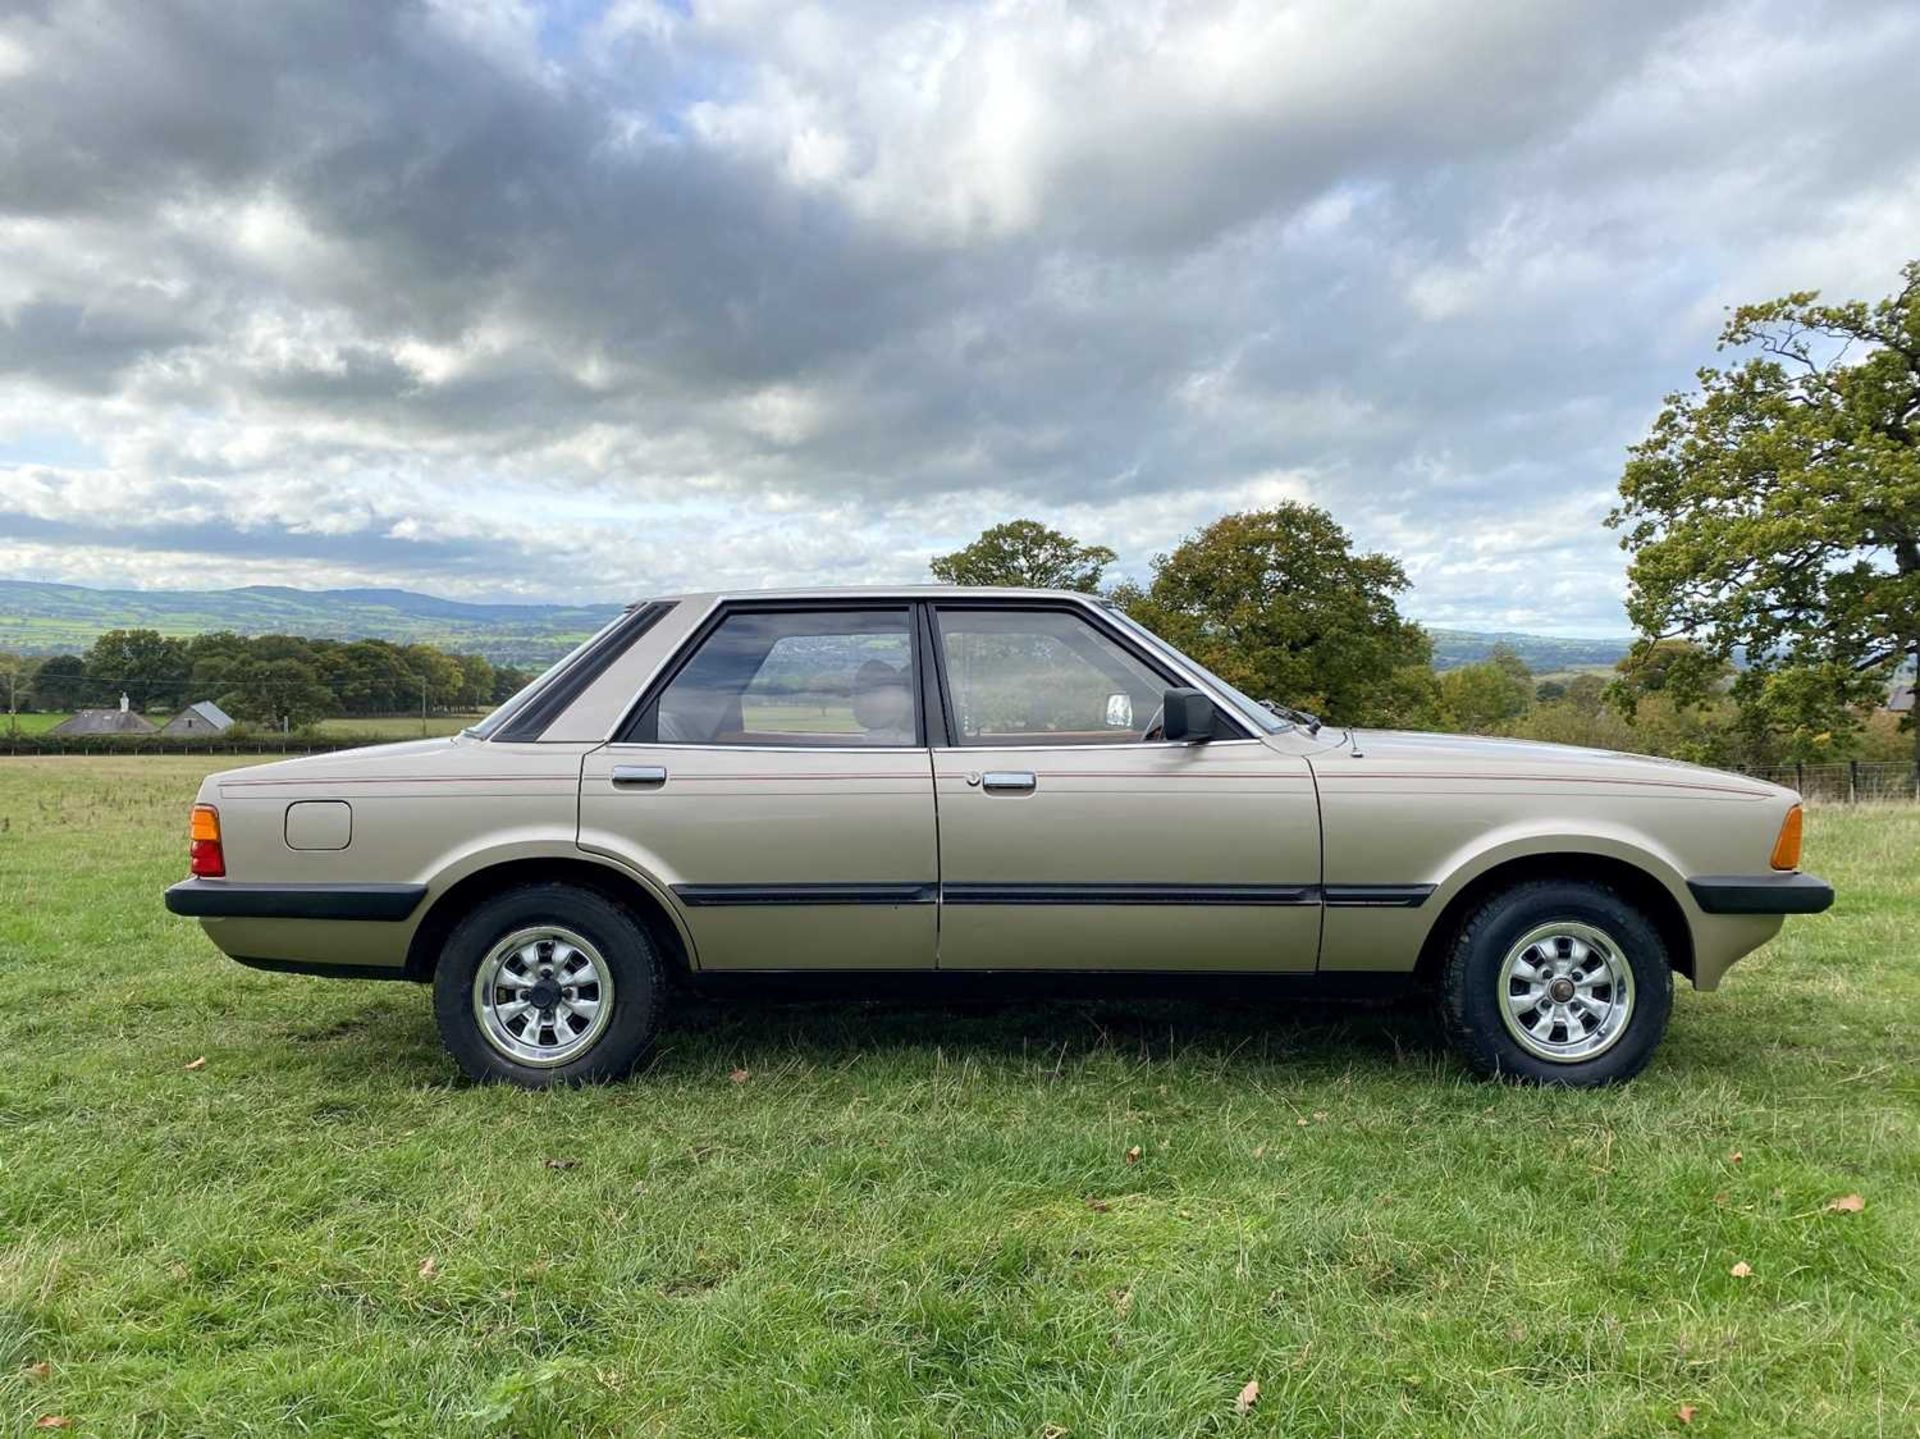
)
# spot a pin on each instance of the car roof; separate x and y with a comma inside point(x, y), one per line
point(883, 592)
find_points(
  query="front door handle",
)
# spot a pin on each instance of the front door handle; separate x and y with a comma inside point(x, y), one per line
point(637, 776)
point(1008, 781)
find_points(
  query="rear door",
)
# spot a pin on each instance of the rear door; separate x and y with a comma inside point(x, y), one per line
point(1069, 839)
point(778, 782)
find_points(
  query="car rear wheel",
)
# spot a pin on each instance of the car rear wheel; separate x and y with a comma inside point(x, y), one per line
point(548, 984)
point(1557, 982)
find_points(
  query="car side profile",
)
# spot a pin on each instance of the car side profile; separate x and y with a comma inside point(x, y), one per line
point(965, 785)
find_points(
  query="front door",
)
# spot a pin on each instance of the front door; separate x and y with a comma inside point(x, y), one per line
point(779, 784)
point(1071, 840)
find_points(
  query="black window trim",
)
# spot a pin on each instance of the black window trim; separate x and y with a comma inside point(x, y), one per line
point(933, 708)
point(1089, 612)
point(539, 710)
point(640, 724)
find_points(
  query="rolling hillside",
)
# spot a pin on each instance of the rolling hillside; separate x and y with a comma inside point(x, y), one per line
point(46, 618)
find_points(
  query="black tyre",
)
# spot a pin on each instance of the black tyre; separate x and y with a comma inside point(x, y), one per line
point(548, 984)
point(1557, 982)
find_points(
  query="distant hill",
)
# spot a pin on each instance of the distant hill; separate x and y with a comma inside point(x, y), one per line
point(1544, 654)
point(43, 618)
point(46, 619)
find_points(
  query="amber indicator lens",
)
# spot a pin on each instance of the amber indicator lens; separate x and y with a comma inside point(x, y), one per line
point(1786, 849)
point(204, 856)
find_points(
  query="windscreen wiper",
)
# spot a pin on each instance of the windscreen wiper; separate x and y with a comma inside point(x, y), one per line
point(1308, 722)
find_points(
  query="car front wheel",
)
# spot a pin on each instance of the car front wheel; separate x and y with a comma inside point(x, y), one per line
point(1557, 982)
point(547, 984)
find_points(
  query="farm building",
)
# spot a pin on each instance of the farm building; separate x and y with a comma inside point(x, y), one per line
point(206, 717)
point(120, 721)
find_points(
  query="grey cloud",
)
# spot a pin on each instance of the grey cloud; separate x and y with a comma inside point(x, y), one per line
point(1435, 266)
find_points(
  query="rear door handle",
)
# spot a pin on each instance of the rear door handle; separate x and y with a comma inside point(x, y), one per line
point(637, 776)
point(1008, 781)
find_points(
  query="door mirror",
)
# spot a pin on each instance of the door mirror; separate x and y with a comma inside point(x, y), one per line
point(1186, 715)
point(1119, 711)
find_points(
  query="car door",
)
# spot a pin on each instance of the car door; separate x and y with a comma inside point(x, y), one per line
point(1068, 840)
point(777, 781)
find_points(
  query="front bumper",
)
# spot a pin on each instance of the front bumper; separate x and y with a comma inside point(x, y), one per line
point(1789, 893)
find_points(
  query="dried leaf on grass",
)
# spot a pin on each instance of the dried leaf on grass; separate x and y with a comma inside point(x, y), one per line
point(200, 1063)
point(739, 1076)
point(1847, 1204)
point(1133, 1155)
point(1685, 1413)
point(429, 1268)
point(1742, 1270)
point(38, 1371)
point(1249, 1397)
point(53, 1421)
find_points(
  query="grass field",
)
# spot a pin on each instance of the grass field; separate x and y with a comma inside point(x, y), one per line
point(866, 1221)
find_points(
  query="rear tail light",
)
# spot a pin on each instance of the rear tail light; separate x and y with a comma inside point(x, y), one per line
point(1786, 848)
point(204, 856)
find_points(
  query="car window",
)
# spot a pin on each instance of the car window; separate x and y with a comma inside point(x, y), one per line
point(1028, 677)
point(1251, 710)
point(813, 677)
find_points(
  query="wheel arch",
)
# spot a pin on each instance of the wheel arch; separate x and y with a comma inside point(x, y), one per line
point(1638, 884)
point(617, 885)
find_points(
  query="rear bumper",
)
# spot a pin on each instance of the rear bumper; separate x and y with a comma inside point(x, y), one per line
point(1791, 893)
point(232, 899)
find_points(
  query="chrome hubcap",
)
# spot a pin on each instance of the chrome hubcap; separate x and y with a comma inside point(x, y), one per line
point(1566, 992)
point(543, 996)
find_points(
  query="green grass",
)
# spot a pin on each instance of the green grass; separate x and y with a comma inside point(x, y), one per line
point(31, 723)
point(923, 1222)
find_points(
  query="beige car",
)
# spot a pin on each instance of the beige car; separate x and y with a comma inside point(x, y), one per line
point(967, 786)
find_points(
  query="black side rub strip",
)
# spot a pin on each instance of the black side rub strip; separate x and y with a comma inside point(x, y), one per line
point(1377, 896)
point(1791, 893)
point(700, 896)
point(530, 721)
point(232, 899)
point(1237, 894)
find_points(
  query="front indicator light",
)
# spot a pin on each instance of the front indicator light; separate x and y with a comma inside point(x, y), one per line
point(204, 856)
point(1786, 848)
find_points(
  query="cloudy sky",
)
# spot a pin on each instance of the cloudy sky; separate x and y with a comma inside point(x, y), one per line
point(594, 298)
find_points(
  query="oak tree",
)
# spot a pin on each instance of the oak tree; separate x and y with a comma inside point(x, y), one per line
point(1279, 603)
point(1775, 510)
point(1025, 553)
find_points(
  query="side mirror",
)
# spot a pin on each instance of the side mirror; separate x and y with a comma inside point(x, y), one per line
point(1186, 715)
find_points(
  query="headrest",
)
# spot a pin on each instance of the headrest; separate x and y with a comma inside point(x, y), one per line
point(880, 698)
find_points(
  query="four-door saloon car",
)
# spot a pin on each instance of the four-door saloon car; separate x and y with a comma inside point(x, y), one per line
point(970, 783)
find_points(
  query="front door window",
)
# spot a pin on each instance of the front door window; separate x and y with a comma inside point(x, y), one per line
point(1042, 677)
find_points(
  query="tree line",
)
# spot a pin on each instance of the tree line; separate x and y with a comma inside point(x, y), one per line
point(277, 681)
